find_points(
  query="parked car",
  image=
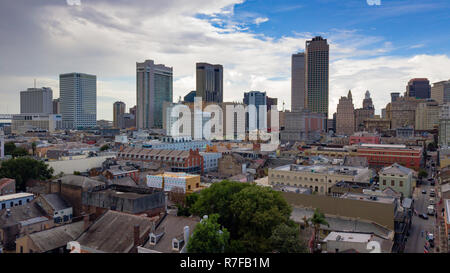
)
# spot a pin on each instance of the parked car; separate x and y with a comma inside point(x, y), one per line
point(432, 201)
point(424, 191)
point(423, 216)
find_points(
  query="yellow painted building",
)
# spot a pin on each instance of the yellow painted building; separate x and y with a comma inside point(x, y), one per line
point(189, 183)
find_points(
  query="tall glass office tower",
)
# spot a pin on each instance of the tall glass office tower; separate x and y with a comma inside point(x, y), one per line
point(317, 79)
point(154, 86)
point(78, 94)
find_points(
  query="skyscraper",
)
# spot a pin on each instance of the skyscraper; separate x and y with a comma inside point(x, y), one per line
point(257, 99)
point(36, 101)
point(57, 106)
point(366, 112)
point(317, 73)
point(298, 82)
point(154, 87)
point(118, 110)
point(209, 78)
point(440, 92)
point(345, 116)
point(418, 88)
point(78, 94)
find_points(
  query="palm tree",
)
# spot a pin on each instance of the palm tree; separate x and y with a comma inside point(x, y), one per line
point(33, 147)
point(316, 220)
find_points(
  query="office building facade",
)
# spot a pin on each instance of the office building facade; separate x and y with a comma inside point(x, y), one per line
point(36, 101)
point(317, 75)
point(256, 117)
point(118, 110)
point(78, 95)
point(209, 82)
point(345, 116)
point(440, 92)
point(298, 82)
point(418, 88)
point(154, 87)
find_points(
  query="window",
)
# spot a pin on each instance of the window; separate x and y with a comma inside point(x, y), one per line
point(384, 182)
point(392, 183)
point(401, 183)
point(3, 206)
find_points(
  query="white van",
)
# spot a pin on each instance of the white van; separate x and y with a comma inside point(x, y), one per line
point(430, 210)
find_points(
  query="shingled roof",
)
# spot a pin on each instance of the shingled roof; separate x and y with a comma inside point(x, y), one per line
point(113, 232)
point(56, 237)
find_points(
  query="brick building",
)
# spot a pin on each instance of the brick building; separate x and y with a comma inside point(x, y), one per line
point(179, 161)
point(383, 155)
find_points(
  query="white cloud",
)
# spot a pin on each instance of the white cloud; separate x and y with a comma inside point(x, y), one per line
point(261, 20)
point(107, 38)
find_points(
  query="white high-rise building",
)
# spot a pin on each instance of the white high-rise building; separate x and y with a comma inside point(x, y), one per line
point(36, 101)
point(78, 94)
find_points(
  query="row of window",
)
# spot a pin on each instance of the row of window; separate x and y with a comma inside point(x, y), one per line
point(392, 183)
point(305, 178)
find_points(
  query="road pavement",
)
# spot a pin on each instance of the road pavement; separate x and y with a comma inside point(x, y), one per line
point(415, 242)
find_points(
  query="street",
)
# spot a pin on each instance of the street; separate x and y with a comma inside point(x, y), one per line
point(415, 242)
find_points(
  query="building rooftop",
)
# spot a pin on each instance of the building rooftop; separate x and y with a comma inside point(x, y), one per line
point(80, 181)
point(324, 169)
point(57, 237)
point(113, 232)
point(348, 237)
point(396, 169)
point(15, 196)
point(367, 197)
point(171, 227)
point(56, 201)
point(34, 220)
point(5, 181)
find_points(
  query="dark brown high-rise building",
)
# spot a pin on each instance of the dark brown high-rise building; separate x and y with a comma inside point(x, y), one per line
point(317, 75)
point(118, 110)
point(298, 82)
point(418, 88)
point(209, 82)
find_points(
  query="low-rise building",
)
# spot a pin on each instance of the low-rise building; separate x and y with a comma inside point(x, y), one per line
point(15, 199)
point(397, 177)
point(170, 235)
point(132, 200)
point(53, 240)
point(210, 161)
point(319, 178)
point(7, 186)
point(357, 242)
point(23, 123)
point(382, 155)
point(188, 183)
point(178, 160)
point(55, 205)
point(115, 232)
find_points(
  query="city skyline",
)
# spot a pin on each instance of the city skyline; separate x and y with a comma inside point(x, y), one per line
point(363, 54)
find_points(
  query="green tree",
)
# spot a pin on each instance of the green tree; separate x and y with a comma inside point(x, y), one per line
point(104, 148)
point(76, 173)
point(19, 152)
point(286, 239)
point(208, 237)
point(422, 174)
point(24, 168)
point(249, 212)
point(316, 220)
point(9, 148)
point(185, 208)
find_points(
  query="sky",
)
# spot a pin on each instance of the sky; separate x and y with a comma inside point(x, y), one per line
point(375, 45)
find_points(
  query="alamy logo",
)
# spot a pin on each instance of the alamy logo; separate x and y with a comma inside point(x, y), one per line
point(373, 2)
point(73, 2)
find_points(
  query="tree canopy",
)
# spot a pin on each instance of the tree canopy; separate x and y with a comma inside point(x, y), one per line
point(24, 168)
point(208, 237)
point(14, 151)
point(286, 239)
point(249, 212)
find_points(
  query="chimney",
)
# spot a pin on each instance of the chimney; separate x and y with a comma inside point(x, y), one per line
point(86, 221)
point(136, 235)
point(186, 235)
